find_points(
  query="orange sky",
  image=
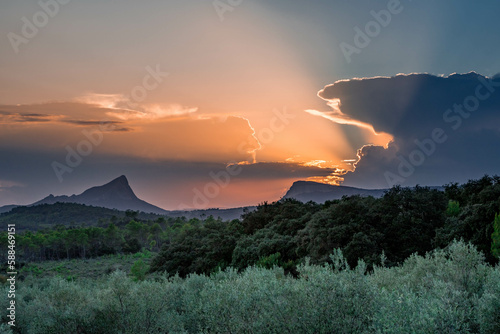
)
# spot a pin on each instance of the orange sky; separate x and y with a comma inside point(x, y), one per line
point(235, 92)
point(287, 136)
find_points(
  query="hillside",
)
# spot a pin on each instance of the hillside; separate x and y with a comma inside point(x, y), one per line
point(305, 191)
point(48, 215)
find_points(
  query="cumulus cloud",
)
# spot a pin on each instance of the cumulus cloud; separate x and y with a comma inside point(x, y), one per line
point(444, 128)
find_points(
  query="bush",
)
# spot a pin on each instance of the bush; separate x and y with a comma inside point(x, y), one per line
point(488, 306)
point(5, 329)
point(446, 291)
point(139, 270)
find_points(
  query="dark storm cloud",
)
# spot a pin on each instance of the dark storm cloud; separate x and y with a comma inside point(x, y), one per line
point(285, 170)
point(445, 128)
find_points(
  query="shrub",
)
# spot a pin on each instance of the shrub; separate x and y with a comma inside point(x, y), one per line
point(139, 270)
point(446, 291)
point(488, 306)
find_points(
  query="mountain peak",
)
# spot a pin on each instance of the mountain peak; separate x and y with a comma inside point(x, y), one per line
point(121, 179)
point(116, 194)
point(117, 189)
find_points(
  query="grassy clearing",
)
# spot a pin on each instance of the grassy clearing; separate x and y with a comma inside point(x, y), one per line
point(75, 269)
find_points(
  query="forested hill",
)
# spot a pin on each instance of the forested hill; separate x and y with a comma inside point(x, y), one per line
point(67, 214)
point(42, 216)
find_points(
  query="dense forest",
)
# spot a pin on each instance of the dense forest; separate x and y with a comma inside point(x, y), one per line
point(128, 234)
point(416, 260)
point(404, 221)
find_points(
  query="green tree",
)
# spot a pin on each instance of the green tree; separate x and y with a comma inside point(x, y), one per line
point(131, 215)
point(155, 231)
point(114, 238)
point(495, 237)
point(269, 261)
point(453, 208)
point(139, 270)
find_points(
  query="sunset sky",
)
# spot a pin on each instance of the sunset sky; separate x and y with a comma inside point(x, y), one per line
point(236, 100)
